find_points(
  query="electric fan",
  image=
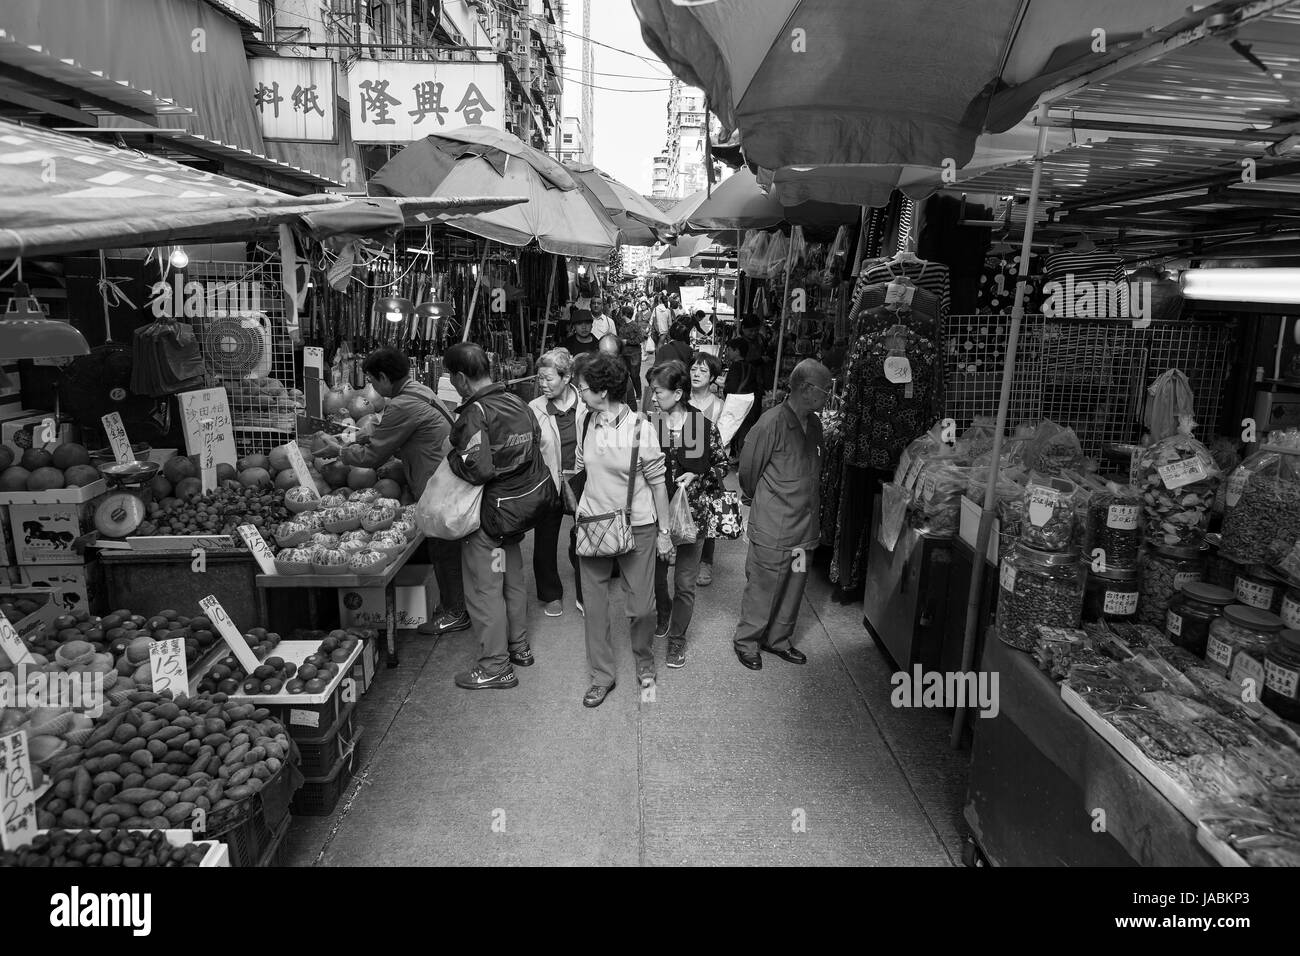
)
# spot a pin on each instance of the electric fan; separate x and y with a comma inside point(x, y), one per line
point(236, 347)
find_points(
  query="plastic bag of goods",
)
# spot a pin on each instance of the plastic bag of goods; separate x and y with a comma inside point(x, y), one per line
point(1048, 522)
point(893, 514)
point(978, 439)
point(936, 500)
point(1053, 449)
point(1114, 523)
point(1010, 485)
point(1261, 501)
point(917, 453)
point(1176, 474)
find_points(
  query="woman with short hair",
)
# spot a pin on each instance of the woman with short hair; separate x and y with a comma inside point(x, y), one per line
point(560, 413)
point(705, 369)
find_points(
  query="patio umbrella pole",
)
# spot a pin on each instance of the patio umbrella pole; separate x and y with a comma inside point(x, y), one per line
point(1004, 405)
point(550, 293)
point(473, 299)
point(785, 309)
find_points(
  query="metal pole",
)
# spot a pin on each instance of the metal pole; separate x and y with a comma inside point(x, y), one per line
point(785, 309)
point(550, 292)
point(1004, 405)
point(473, 299)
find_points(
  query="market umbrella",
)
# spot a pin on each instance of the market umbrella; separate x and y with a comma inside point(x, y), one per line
point(639, 223)
point(739, 202)
point(480, 161)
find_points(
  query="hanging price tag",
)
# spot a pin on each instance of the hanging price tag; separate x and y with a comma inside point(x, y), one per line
point(1007, 578)
point(167, 661)
point(229, 633)
point(1186, 472)
point(17, 792)
point(12, 644)
point(117, 439)
point(299, 466)
point(257, 544)
point(899, 293)
point(1043, 503)
point(898, 369)
point(208, 456)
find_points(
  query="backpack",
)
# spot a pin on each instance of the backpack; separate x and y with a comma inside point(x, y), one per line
point(515, 503)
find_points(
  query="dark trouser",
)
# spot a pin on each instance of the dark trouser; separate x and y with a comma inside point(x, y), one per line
point(706, 554)
point(546, 569)
point(678, 609)
point(497, 598)
point(773, 591)
point(634, 372)
point(445, 558)
point(638, 571)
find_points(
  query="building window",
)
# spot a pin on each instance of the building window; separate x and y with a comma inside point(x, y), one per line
point(568, 138)
point(266, 9)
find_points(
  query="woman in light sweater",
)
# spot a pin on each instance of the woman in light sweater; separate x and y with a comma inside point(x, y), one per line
point(605, 445)
point(560, 413)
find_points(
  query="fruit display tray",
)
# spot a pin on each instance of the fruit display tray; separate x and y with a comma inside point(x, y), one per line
point(295, 652)
point(217, 855)
point(58, 496)
point(380, 580)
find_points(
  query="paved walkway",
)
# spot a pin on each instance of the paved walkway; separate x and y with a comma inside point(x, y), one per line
point(787, 765)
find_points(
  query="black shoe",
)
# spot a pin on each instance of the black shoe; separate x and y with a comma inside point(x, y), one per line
point(661, 629)
point(793, 655)
point(753, 662)
point(523, 658)
point(596, 695)
point(676, 656)
point(450, 622)
point(479, 679)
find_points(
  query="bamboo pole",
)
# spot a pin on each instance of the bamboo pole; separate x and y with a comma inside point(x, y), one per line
point(550, 293)
point(473, 299)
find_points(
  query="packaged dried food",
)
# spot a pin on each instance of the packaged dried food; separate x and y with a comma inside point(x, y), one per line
point(1053, 449)
point(978, 439)
point(1176, 474)
point(1110, 595)
point(915, 455)
point(936, 501)
point(1048, 512)
point(1037, 587)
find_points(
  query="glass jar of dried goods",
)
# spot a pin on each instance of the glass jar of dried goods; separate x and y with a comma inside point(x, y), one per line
point(1241, 632)
point(1036, 587)
point(1192, 611)
point(1111, 595)
point(1282, 675)
point(1163, 570)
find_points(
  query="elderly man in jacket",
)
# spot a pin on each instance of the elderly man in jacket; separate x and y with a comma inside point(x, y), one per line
point(415, 426)
point(780, 469)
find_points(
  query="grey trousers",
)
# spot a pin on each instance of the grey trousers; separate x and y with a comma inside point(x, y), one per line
point(679, 608)
point(637, 573)
point(496, 597)
point(770, 606)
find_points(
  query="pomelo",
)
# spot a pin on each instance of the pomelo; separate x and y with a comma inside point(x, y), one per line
point(388, 488)
point(279, 458)
point(34, 458)
point(178, 467)
point(334, 402)
point(226, 473)
point(377, 401)
point(6, 457)
point(45, 479)
point(161, 487)
point(335, 473)
point(362, 478)
point(14, 478)
point(253, 461)
point(286, 479)
point(78, 476)
point(359, 406)
point(65, 456)
point(188, 488)
point(255, 477)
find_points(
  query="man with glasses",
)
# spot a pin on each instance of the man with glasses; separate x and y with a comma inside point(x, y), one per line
point(780, 469)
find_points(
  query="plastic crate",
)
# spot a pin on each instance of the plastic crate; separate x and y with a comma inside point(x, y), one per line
point(274, 854)
point(319, 796)
point(249, 827)
point(320, 754)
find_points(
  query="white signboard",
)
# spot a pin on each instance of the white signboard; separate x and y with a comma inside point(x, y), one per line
point(209, 403)
point(17, 792)
point(117, 439)
point(399, 101)
point(294, 97)
point(167, 665)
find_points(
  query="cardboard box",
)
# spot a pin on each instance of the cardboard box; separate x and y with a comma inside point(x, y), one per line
point(65, 589)
point(43, 534)
point(20, 431)
point(58, 496)
point(363, 671)
point(364, 607)
point(7, 558)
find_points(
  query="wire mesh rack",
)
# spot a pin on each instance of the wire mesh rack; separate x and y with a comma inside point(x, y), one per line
point(1090, 375)
point(245, 344)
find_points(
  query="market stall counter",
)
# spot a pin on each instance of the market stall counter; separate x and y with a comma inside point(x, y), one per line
point(313, 583)
point(1047, 790)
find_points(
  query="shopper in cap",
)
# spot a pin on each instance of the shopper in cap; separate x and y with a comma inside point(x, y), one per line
point(605, 448)
point(561, 413)
point(415, 426)
point(580, 338)
point(780, 469)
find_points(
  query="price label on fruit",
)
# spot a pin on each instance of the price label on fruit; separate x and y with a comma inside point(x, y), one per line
point(167, 662)
point(12, 645)
point(117, 439)
point(17, 792)
point(300, 470)
point(229, 633)
point(208, 455)
point(257, 544)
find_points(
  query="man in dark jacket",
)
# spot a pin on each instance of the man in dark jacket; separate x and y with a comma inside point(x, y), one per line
point(415, 426)
point(493, 444)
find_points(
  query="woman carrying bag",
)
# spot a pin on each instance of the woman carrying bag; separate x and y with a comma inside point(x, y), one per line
point(561, 414)
point(696, 464)
point(622, 520)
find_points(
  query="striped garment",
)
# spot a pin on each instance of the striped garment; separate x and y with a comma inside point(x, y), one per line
point(930, 276)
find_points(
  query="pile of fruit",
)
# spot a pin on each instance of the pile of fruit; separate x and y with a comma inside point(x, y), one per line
point(275, 674)
point(66, 466)
point(154, 761)
point(217, 512)
point(112, 847)
point(360, 535)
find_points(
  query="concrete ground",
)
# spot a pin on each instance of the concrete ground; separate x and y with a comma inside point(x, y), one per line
point(787, 765)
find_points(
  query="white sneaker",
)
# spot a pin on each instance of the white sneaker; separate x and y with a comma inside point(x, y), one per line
point(554, 609)
point(578, 605)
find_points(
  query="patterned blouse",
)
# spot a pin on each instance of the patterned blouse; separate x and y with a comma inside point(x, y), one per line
point(880, 417)
point(682, 453)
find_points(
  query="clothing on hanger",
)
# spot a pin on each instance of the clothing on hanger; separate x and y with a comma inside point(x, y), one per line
point(881, 417)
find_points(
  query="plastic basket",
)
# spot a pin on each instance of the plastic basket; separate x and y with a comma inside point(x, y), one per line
point(277, 845)
point(318, 797)
point(321, 753)
point(249, 826)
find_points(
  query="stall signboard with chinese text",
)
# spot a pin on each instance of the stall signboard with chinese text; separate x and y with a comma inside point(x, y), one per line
point(209, 403)
point(399, 101)
point(215, 613)
point(117, 439)
point(17, 792)
point(12, 645)
point(167, 664)
point(294, 98)
point(258, 546)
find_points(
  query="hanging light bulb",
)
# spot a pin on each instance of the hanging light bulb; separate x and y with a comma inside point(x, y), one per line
point(394, 308)
point(582, 270)
point(179, 258)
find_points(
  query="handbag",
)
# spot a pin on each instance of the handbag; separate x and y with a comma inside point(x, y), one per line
point(609, 535)
point(725, 520)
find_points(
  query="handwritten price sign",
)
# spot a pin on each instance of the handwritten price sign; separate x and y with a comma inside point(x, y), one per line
point(257, 544)
point(17, 792)
point(208, 456)
point(229, 633)
point(117, 439)
point(300, 470)
point(12, 645)
point(167, 661)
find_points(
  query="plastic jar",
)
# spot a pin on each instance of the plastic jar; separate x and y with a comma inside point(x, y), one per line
point(1282, 675)
point(1241, 632)
point(1163, 571)
point(1259, 587)
point(1290, 610)
point(1192, 611)
point(1111, 595)
point(1036, 587)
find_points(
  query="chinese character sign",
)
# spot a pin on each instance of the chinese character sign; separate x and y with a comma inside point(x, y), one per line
point(396, 101)
point(17, 792)
point(294, 97)
point(167, 663)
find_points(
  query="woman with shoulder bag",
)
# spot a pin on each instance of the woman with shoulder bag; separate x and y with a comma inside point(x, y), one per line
point(622, 521)
point(560, 414)
point(696, 463)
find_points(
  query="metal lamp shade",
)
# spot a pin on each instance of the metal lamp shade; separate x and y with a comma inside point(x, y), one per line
point(25, 332)
point(395, 308)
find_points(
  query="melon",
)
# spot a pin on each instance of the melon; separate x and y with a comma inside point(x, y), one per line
point(14, 478)
point(34, 458)
point(78, 476)
point(226, 473)
point(366, 423)
point(362, 478)
point(286, 479)
point(279, 458)
point(188, 488)
point(253, 461)
point(388, 488)
point(178, 467)
point(45, 479)
point(359, 406)
point(334, 401)
point(6, 457)
point(161, 487)
point(65, 456)
point(255, 477)
point(297, 500)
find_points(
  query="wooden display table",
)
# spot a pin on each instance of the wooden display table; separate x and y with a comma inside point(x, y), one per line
point(313, 583)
